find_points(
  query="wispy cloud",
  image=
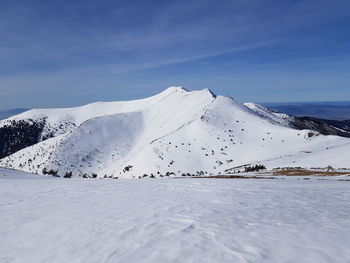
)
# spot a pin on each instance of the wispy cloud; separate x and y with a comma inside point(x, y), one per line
point(47, 46)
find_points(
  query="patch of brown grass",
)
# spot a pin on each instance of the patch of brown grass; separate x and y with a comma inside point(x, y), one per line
point(234, 177)
point(304, 172)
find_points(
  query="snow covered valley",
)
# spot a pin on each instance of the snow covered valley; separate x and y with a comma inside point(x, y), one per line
point(48, 219)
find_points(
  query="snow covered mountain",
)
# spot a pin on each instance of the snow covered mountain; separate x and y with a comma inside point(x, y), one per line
point(174, 132)
point(325, 127)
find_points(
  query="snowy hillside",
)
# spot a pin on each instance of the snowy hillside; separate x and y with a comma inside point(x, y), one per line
point(174, 132)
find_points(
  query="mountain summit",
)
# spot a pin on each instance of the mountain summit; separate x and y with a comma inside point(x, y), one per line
point(174, 132)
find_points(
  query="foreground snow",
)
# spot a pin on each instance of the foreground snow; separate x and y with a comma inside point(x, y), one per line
point(45, 219)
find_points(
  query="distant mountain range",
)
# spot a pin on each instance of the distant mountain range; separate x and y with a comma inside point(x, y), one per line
point(172, 133)
point(321, 110)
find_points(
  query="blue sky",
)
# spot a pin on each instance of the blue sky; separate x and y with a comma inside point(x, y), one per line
point(64, 53)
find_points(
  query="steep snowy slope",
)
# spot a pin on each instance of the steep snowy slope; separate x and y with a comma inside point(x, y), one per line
point(33, 126)
point(174, 132)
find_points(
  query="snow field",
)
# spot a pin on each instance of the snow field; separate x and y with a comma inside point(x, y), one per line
point(46, 219)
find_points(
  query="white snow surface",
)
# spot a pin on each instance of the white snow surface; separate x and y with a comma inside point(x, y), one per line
point(274, 117)
point(47, 219)
point(176, 131)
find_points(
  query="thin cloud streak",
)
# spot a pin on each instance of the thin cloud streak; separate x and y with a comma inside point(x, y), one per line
point(124, 48)
point(198, 57)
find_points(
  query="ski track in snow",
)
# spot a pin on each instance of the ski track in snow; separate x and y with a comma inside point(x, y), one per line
point(45, 219)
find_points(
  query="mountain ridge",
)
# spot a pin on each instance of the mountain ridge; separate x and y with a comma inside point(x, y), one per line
point(174, 132)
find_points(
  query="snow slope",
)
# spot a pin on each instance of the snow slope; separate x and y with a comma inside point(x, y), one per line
point(174, 132)
point(63, 120)
point(17, 174)
point(175, 220)
point(274, 117)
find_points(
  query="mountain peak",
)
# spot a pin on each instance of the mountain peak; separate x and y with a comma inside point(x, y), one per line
point(181, 89)
point(176, 89)
point(211, 92)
